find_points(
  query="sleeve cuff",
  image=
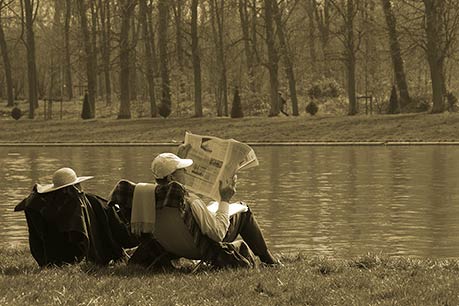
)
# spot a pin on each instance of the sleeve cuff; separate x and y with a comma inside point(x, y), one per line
point(223, 207)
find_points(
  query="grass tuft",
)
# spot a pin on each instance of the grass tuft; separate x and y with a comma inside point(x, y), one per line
point(361, 128)
point(304, 280)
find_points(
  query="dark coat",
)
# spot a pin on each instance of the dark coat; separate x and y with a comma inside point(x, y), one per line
point(68, 225)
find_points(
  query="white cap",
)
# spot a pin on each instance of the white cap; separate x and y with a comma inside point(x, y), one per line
point(166, 163)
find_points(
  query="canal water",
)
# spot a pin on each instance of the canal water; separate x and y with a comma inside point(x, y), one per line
point(325, 200)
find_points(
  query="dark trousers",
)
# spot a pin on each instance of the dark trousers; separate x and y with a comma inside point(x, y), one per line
point(246, 225)
point(151, 254)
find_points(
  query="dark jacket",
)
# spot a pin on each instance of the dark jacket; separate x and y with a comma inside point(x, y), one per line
point(68, 225)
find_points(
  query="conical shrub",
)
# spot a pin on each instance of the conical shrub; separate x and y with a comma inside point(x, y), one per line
point(236, 109)
point(312, 108)
point(164, 110)
point(394, 105)
point(86, 112)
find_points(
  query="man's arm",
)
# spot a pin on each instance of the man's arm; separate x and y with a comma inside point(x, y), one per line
point(215, 225)
point(212, 225)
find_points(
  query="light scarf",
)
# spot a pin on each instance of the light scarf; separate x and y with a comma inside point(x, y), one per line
point(143, 214)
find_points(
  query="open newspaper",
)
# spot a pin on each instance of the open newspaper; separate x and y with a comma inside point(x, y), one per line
point(214, 160)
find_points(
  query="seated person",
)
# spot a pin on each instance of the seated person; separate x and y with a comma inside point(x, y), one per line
point(66, 224)
point(184, 227)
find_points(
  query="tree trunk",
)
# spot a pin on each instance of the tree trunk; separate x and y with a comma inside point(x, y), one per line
point(218, 13)
point(350, 57)
point(243, 15)
point(90, 65)
point(396, 55)
point(67, 62)
point(433, 11)
point(322, 14)
point(272, 59)
point(55, 54)
point(7, 66)
point(217, 88)
point(196, 59)
point(254, 32)
point(104, 7)
point(178, 12)
point(31, 62)
point(94, 46)
point(126, 8)
point(134, 82)
point(309, 5)
point(152, 42)
point(287, 58)
point(148, 57)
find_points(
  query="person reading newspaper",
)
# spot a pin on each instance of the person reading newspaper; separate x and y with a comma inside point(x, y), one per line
point(200, 233)
point(215, 160)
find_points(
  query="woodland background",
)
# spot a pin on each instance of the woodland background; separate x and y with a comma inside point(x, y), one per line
point(149, 58)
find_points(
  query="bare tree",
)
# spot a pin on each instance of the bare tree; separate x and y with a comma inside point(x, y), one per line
point(127, 8)
point(105, 24)
point(133, 62)
point(178, 14)
point(436, 50)
point(253, 24)
point(28, 11)
point(348, 11)
point(323, 16)
point(217, 15)
point(273, 58)
point(286, 55)
point(67, 62)
point(6, 60)
point(195, 55)
point(91, 73)
point(93, 10)
point(55, 56)
point(437, 36)
point(248, 49)
point(310, 6)
point(396, 55)
point(153, 40)
point(143, 9)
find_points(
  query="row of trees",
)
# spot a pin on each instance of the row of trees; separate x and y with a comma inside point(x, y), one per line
point(124, 50)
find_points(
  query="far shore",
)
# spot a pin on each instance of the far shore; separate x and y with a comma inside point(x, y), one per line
point(403, 129)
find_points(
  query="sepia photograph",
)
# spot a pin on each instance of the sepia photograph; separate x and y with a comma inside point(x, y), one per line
point(229, 152)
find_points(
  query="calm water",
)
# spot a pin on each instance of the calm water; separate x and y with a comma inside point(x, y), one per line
point(342, 201)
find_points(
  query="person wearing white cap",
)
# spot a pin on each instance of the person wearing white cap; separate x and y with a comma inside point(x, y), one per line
point(67, 225)
point(218, 227)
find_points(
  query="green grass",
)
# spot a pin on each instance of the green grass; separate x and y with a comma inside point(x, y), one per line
point(303, 128)
point(378, 128)
point(305, 280)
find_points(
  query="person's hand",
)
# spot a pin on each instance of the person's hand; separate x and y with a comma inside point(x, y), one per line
point(228, 189)
point(183, 150)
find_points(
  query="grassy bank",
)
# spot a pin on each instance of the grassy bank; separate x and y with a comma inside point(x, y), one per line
point(405, 127)
point(367, 280)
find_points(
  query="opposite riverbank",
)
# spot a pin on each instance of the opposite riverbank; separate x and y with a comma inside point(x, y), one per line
point(379, 129)
point(366, 280)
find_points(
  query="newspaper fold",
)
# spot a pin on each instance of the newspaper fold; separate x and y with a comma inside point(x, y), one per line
point(214, 160)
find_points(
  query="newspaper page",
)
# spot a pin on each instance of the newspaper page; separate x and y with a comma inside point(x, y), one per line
point(234, 208)
point(214, 160)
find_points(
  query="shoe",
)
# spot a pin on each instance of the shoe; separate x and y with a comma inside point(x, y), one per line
point(276, 264)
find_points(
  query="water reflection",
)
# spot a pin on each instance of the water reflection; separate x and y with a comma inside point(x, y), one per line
point(340, 201)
